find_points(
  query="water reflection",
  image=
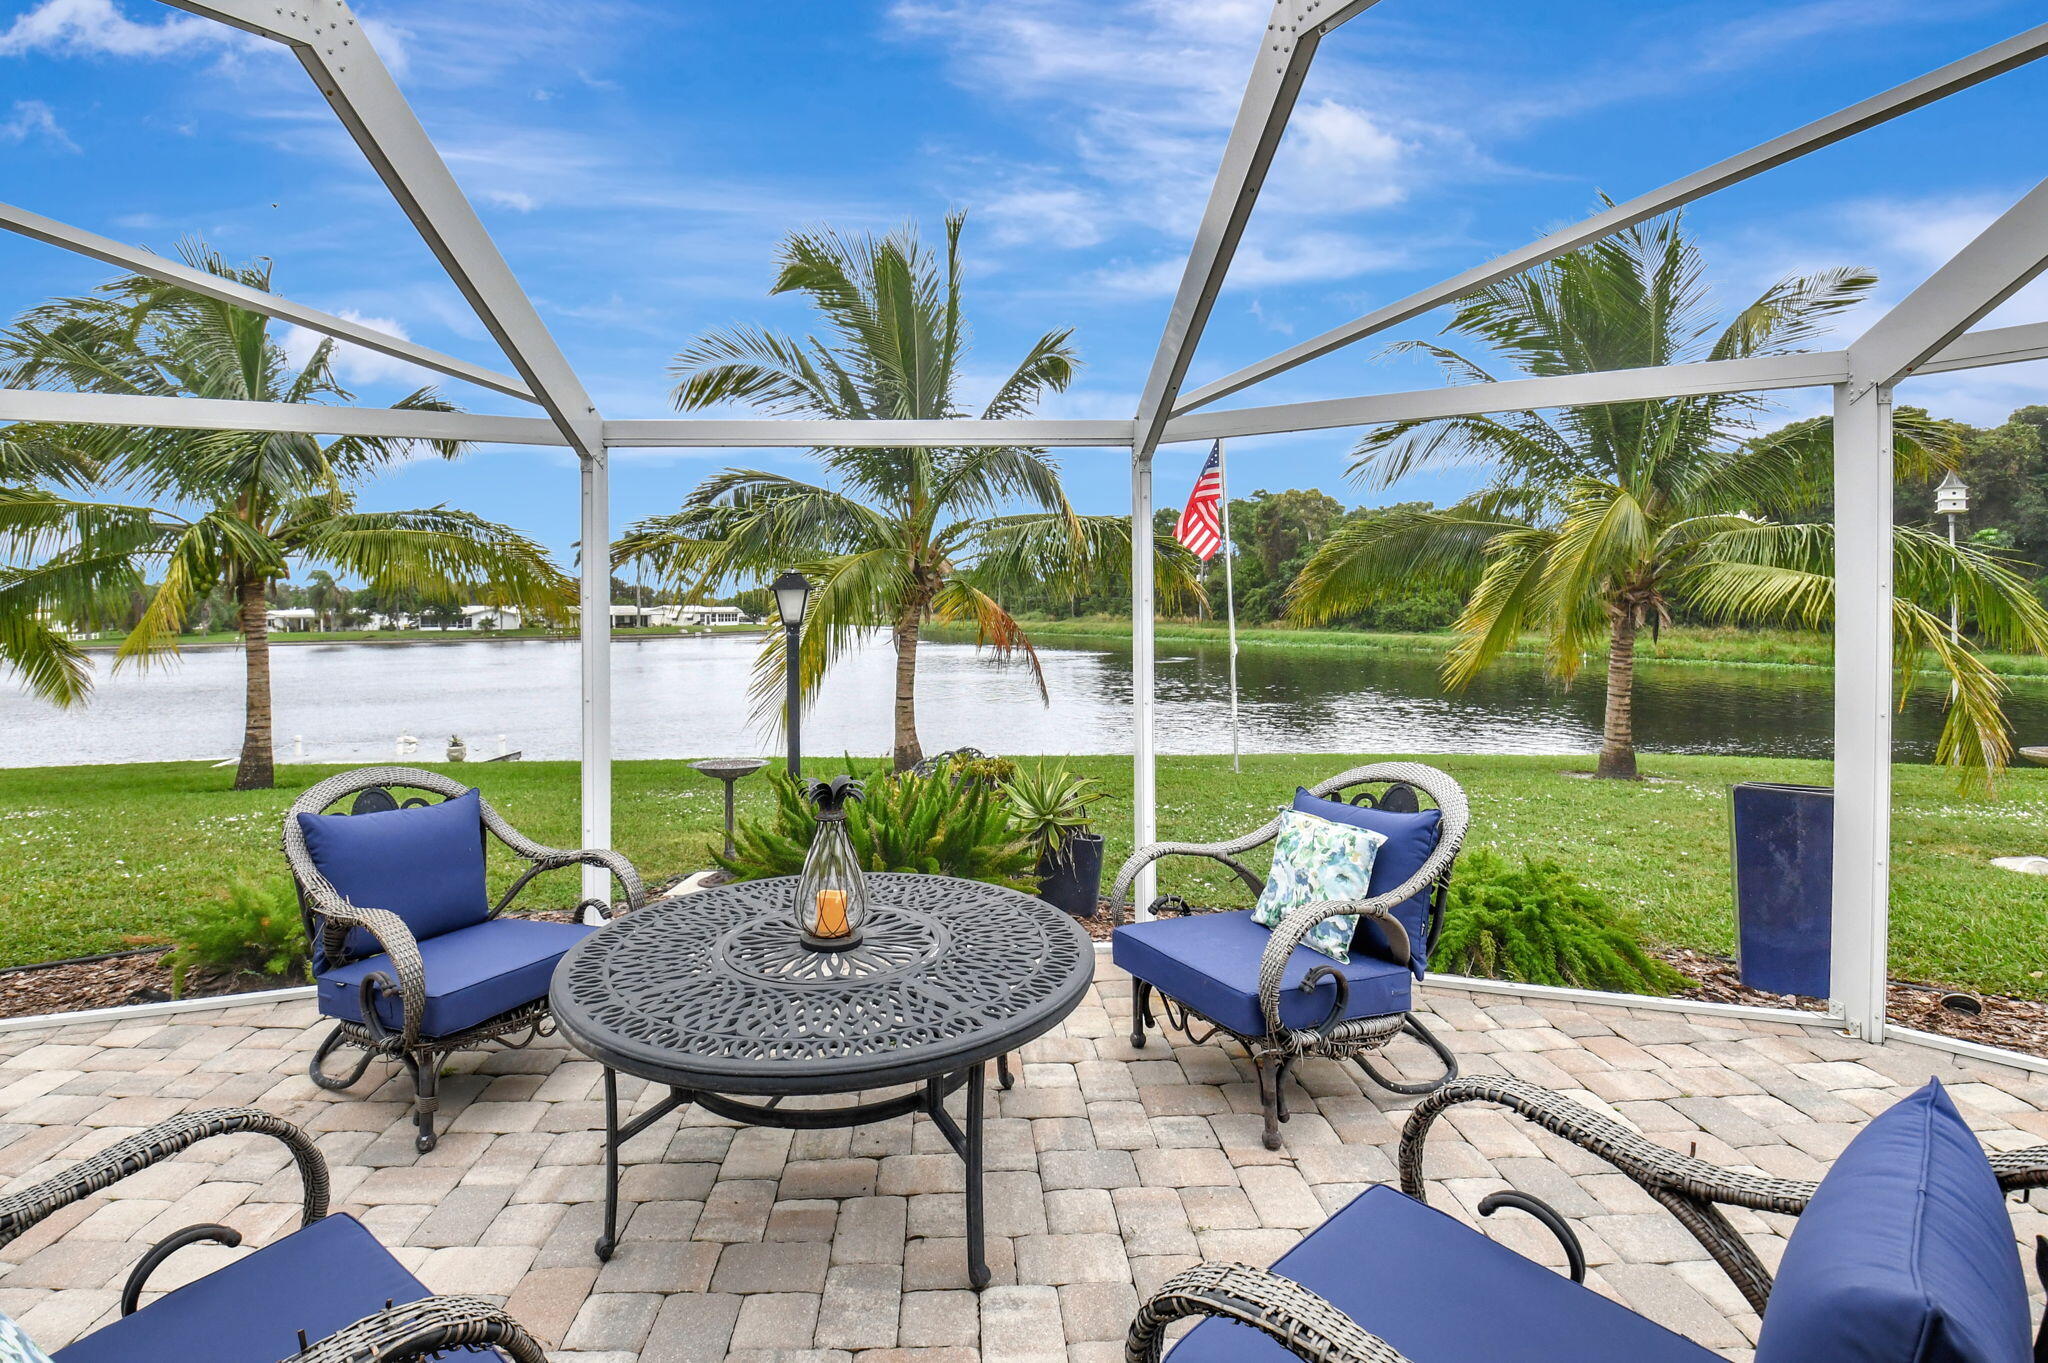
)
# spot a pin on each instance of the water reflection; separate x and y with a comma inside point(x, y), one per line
point(687, 696)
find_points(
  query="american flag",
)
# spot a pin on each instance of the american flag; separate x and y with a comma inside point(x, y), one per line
point(1199, 528)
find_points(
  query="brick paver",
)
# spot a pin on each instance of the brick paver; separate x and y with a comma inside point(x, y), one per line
point(1109, 1170)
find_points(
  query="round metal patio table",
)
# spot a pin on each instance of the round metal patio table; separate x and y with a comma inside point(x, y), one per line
point(714, 996)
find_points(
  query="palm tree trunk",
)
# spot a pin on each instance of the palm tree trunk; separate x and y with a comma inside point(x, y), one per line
point(908, 751)
point(256, 770)
point(1618, 746)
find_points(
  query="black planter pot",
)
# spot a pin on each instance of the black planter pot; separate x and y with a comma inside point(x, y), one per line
point(1070, 877)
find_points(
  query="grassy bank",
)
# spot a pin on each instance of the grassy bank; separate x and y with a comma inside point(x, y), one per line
point(1726, 647)
point(101, 857)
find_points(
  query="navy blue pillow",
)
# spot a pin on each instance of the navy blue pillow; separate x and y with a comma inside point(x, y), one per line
point(425, 864)
point(1906, 1253)
point(1410, 840)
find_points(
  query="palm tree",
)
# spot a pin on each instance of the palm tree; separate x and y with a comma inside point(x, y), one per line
point(901, 536)
point(206, 509)
point(1595, 520)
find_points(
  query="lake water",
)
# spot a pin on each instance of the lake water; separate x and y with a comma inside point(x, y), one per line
point(681, 696)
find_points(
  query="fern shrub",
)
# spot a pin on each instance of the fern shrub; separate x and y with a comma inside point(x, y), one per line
point(1537, 923)
point(255, 930)
point(906, 822)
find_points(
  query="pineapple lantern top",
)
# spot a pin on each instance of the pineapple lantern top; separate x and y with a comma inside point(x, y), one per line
point(831, 796)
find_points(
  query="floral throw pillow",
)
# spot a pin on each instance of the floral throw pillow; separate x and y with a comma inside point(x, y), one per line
point(1314, 860)
point(16, 1347)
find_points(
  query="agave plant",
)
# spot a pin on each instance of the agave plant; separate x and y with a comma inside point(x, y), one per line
point(904, 822)
point(1049, 805)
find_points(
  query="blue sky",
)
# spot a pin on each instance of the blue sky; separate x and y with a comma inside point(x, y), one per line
point(637, 163)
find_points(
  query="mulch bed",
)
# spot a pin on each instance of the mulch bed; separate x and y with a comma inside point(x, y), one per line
point(2015, 1024)
point(110, 981)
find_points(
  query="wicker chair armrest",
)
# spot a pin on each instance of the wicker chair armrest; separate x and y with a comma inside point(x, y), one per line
point(2021, 1170)
point(1225, 852)
point(1662, 1173)
point(555, 858)
point(338, 917)
point(1300, 1321)
point(1295, 927)
point(21, 1210)
point(426, 1329)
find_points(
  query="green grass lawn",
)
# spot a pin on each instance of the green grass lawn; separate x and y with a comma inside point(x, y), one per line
point(100, 857)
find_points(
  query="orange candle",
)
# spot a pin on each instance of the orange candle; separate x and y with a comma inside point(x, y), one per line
point(831, 918)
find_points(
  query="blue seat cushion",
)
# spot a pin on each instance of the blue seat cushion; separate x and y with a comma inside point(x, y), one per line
point(1410, 838)
point(329, 1275)
point(425, 864)
point(1906, 1253)
point(473, 974)
point(1441, 1292)
point(1210, 962)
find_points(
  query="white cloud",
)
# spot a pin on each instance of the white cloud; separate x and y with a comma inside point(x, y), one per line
point(352, 363)
point(33, 118)
point(101, 28)
point(518, 200)
point(1302, 257)
point(1141, 95)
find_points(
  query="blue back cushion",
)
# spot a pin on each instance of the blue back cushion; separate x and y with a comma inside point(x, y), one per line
point(425, 864)
point(1906, 1253)
point(1410, 840)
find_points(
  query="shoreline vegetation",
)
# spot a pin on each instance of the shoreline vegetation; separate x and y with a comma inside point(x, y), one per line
point(103, 858)
point(229, 639)
point(1719, 646)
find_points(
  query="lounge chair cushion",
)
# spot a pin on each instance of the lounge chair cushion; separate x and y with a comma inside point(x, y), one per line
point(1440, 1292)
point(473, 974)
point(329, 1275)
point(425, 864)
point(1906, 1253)
point(1411, 837)
point(1210, 962)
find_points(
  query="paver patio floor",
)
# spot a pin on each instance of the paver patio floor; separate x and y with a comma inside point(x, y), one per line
point(1109, 1169)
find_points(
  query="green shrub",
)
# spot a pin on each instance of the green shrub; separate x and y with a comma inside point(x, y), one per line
point(256, 929)
point(981, 771)
point(906, 823)
point(1049, 805)
point(1537, 923)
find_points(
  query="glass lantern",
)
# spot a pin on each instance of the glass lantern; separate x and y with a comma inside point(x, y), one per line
point(831, 893)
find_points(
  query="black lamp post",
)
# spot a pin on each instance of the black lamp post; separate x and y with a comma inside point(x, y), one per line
point(792, 599)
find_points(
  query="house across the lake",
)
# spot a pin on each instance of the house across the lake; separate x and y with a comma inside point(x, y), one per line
point(291, 619)
point(491, 617)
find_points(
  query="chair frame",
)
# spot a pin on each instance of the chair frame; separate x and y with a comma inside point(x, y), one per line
point(398, 1334)
point(1275, 1052)
point(1694, 1191)
point(326, 912)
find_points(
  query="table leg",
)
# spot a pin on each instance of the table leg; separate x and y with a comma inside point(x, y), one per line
point(1003, 1075)
point(977, 1255)
point(607, 1242)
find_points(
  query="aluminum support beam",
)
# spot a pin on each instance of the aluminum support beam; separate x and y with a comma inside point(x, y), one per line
point(1863, 706)
point(308, 418)
point(330, 44)
point(1518, 395)
point(1996, 264)
point(1293, 31)
point(1900, 99)
point(81, 242)
point(1991, 346)
point(1145, 774)
point(594, 640)
point(683, 433)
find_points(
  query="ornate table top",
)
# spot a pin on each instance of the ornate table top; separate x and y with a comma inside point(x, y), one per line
point(714, 991)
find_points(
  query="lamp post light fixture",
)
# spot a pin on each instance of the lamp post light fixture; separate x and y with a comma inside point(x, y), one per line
point(792, 601)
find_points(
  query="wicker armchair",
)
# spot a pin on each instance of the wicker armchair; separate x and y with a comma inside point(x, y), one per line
point(258, 1309)
point(1290, 983)
point(1465, 1284)
point(385, 1000)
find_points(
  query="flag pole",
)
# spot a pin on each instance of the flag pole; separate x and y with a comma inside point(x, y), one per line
point(1229, 599)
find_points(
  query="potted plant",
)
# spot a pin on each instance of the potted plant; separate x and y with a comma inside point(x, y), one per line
point(1050, 807)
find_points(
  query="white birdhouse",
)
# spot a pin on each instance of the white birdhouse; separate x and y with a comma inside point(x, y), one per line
point(1951, 498)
